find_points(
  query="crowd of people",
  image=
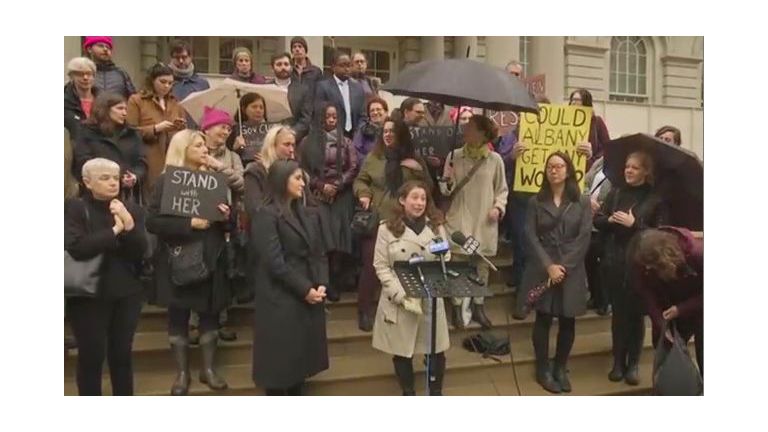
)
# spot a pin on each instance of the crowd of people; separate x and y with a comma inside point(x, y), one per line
point(289, 217)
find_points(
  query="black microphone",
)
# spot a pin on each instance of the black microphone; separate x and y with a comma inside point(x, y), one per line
point(415, 260)
point(470, 245)
point(440, 247)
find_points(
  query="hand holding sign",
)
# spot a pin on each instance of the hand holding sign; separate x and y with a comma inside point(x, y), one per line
point(520, 147)
point(200, 224)
point(224, 209)
point(585, 149)
point(239, 143)
point(194, 194)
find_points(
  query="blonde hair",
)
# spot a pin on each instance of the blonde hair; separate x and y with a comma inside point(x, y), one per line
point(177, 149)
point(269, 149)
point(98, 165)
point(646, 161)
point(81, 64)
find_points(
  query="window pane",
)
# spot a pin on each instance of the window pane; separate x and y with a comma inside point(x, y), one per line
point(632, 84)
point(642, 82)
point(632, 67)
point(623, 63)
point(382, 60)
point(641, 47)
point(622, 83)
point(642, 68)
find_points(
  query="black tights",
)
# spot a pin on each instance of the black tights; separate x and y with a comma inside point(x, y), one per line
point(565, 335)
point(178, 322)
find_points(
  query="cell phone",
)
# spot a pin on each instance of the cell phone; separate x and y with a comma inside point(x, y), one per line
point(453, 273)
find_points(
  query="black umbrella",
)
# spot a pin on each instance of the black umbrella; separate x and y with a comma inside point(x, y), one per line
point(678, 175)
point(458, 82)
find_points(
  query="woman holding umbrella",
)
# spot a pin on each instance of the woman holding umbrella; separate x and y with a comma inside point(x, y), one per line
point(558, 228)
point(331, 161)
point(252, 113)
point(629, 208)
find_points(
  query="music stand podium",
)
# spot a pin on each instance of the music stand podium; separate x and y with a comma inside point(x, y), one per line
point(435, 286)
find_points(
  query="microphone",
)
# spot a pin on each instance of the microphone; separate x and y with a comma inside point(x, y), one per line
point(470, 245)
point(415, 260)
point(440, 247)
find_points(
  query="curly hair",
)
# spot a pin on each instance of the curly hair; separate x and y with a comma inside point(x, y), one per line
point(659, 252)
point(396, 225)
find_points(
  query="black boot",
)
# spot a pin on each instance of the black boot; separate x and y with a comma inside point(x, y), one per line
point(456, 317)
point(544, 377)
point(404, 372)
point(180, 349)
point(364, 321)
point(560, 374)
point(521, 308)
point(478, 316)
point(631, 376)
point(208, 375)
point(436, 380)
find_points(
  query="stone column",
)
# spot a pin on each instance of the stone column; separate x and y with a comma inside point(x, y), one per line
point(547, 56)
point(461, 44)
point(432, 48)
point(499, 50)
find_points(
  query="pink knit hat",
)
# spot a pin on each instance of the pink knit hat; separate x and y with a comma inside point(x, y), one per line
point(456, 112)
point(92, 40)
point(213, 117)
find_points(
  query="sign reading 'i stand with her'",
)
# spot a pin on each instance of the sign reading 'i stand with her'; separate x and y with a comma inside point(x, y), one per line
point(194, 193)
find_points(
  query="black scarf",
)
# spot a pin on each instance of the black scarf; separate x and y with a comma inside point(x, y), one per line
point(416, 225)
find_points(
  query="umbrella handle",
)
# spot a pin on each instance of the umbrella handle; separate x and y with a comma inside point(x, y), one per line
point(239, 114)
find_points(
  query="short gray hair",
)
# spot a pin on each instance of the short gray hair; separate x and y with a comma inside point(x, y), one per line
point(513, 63)
point(81, 64)
point(99, 164)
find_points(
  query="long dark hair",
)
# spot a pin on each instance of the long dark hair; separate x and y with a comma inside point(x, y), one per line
point(277, 184)
point(314, 147)
point(100, 112)
point(248, 99)
point(403, 142)
point(396, 225)
point(586, 97)
point(571, 192)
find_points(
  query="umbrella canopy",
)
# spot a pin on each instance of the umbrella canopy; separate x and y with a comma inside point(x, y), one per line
point(225, 97)
point(678, 174)
point(458, 82)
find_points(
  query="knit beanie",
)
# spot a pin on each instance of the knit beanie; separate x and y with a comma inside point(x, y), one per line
point(241, 50)
point(300, 40)
point(92, 40)
point(213, 117)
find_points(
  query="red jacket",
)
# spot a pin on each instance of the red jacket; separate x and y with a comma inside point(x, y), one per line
point(687, 292)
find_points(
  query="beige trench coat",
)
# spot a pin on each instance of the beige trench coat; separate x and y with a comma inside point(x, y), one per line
point(397, 331)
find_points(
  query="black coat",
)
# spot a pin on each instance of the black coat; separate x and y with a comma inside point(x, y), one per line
point(211, 295)
point(289, 337)
point(327, 91)
point(74, 115)
point(649, 212)
point(125, 148)
point(88, 236)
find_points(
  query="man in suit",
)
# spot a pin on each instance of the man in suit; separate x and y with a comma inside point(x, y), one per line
point(299, 95)
point(345, 94)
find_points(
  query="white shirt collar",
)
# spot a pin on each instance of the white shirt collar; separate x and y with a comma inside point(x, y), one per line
point(340, 82)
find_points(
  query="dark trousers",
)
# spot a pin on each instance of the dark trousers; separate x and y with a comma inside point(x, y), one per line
point(368, 285)
point(178, 322)
point(104, 327)
point(594, 277)
point(566, 333)
point(627, 326)
point(518, 209)
point(697, 331)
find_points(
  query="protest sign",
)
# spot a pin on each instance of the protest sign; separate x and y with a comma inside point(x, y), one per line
point(194, 193)
point(435, 140)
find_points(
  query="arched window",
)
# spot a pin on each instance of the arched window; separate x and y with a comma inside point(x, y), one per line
point(629, 66)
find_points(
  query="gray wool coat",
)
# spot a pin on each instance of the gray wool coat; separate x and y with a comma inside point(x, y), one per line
point(565, 245)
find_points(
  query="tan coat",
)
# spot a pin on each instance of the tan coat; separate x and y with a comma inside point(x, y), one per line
point(397, 331)
point(469, 210)
point(143, 113)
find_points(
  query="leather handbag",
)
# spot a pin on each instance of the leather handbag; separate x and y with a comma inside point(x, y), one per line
point(187, 264)
point(81, 278)
point(364, 222)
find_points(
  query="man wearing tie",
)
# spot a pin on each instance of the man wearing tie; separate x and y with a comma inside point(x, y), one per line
point(345, 94)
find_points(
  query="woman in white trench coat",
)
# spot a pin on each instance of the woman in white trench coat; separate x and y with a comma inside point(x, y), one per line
point(402, 326)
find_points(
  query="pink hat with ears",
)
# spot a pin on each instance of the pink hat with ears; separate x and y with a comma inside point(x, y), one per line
point(213, 117)
point(92, 40)
point(456, 112)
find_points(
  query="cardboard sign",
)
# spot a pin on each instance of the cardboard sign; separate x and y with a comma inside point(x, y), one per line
point(194, 193)
point(435, 140)
point(557, 128)
point(254, 138)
